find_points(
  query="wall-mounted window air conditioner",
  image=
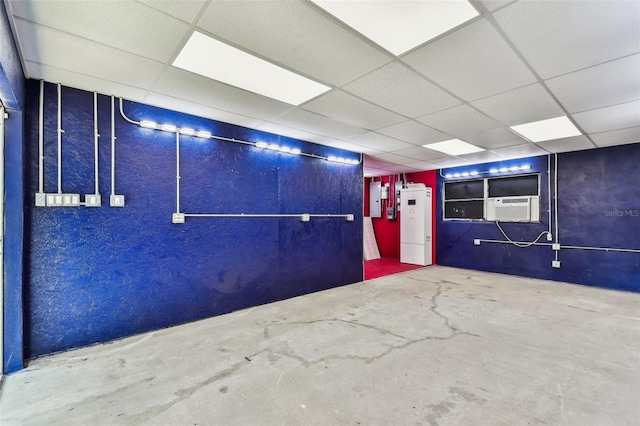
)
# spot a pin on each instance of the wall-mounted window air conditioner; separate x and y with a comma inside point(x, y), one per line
point(514, 209)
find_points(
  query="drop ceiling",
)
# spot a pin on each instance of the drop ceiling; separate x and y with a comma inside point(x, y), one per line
point(516, 62)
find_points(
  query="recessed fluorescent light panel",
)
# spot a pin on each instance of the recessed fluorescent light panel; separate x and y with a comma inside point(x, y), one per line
point(399, 26)
point(454, 147)
point(216, 60)
point(545, 130)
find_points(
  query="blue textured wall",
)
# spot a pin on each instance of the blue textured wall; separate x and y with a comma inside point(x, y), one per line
point(592, 186)
point(12, 96)
point(97, 274)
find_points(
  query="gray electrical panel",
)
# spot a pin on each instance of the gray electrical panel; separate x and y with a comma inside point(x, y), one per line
point(375, 204)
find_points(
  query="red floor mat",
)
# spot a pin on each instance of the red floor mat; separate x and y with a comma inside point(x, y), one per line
point(382, 267)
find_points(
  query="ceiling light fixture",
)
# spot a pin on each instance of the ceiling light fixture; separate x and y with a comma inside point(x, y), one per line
point(454, 147)
point(545, 130)
point(216, 60)
point(399, 26)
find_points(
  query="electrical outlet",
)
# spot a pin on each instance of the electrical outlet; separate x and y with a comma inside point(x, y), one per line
point(177, 218)
point(116, 201)
point(41, 199)
point(54, 200)
point(350, 218)
point(555, 263)
point(305, 217)
point(92, 200)
point(555, 246)
point(72, 200)
point(476, 242)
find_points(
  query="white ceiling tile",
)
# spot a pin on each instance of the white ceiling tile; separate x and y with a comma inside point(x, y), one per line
point(81, 56)
point(125, 25)
point(393, 158)
point(423, 165)
point(353, 147)
point(376, 163)
point(349, 109)
point(443, 163)
point(83, 82)
point(185, 10)
point(315, 123)
point(199, 110)
point(420, 153)
point(473, 62)
point(281, 130)
point(371, 172)
point(399, 26)
point(495, 138)
point(379, 142)
point(521, 151)
point(492, 5)
point(396, 87)
point(518, 106)
point(414, 132)
point(557, 37)
point(617, 137)
point(183, 84)
point(459, 121)
point(294, 34)
point(611, 83)
point(609, 118)
point(481, 157)
point(405, 168)
point(574, 143)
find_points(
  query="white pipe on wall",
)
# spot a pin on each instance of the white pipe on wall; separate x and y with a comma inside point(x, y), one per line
point(41, 139)
point(113, 147)
point(60, 131)
point(624, 250)
point(177, 172)
point(95, 143)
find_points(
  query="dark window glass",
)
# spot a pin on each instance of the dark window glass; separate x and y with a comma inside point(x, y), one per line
point(513, 186)
point(473, 209)
point(464, 190)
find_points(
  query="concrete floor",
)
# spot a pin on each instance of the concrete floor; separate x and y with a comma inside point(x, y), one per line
point(434, 346)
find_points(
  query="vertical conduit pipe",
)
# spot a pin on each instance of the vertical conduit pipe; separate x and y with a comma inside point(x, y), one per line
point(41, 139)
point(95, 142)
point(555, 183)
point(60, 138)
point(113, 148)
point(550, 235)
point(177, 172)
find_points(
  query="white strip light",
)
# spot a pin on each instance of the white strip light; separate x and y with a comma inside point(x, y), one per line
point(216, 60)
point(492, 171)
point(545, 130)
point(187, 131)
point(279, 148)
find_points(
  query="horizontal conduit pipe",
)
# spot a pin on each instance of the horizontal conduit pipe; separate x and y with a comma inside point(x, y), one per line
point(261, 215)
point(562, 247)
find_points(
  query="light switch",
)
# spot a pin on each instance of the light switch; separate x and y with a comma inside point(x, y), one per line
point(116, 201)
point(92, 200)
